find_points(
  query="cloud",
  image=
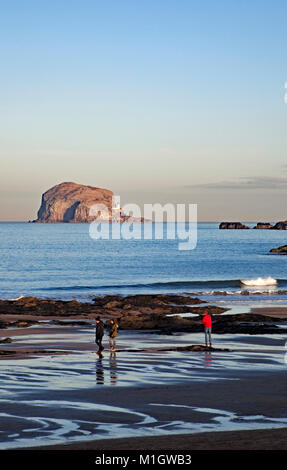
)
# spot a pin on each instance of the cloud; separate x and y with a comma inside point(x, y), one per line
point(246, 183)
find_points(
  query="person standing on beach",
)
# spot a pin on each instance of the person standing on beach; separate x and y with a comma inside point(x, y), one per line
point(207, 328)
point(113, 334)
point(100, 329)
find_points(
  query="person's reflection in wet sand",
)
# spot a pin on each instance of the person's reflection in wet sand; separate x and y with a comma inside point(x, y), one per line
point(100, 376)
point(207, 358)
point(113, 367)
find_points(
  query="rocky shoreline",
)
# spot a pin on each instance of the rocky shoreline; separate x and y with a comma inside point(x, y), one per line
point(160, 313)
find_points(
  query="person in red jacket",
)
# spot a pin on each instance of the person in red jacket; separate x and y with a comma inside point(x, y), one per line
point(207, 328)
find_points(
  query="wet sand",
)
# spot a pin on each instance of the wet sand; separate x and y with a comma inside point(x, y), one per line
point(260, 439)
point(278, 312)
point(171, 401)
point(262, 398)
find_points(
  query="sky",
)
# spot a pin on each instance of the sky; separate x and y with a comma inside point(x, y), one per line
point(161, 101)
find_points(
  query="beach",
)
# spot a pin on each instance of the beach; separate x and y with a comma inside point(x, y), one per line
point(152, 393)
point(162, 388)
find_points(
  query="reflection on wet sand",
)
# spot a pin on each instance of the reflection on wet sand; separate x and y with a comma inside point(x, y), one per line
point(100, 374)
point(113, 368)
point(100, 369)
point(207, 359)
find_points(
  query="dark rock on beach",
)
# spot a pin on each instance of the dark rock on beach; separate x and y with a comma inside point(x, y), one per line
point(156, 321)
point(191, 347)
point(111, 301)
point(247, 323)
point(6, 340)
point(153, 303)
point(107, 305)
point(42, 307)
point(222, 324)
point(194, 347)
point(161, 313)
point(7, 352)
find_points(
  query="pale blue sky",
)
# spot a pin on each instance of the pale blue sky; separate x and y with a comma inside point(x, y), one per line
point(159, 101)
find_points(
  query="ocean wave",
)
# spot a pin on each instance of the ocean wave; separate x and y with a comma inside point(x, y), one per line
point(17, 298)
point(260, 281)
point(207, 285)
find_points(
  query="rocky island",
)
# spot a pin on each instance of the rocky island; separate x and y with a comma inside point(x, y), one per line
point(232, 225)
point(74, 203)
point(71, 202)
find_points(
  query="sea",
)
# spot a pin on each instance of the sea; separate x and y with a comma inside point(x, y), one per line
point(63, 261)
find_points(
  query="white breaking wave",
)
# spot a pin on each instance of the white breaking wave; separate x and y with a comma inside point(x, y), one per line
point(18, 298)
point(259, 281)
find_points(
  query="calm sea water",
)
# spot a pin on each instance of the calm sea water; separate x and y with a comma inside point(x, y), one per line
point(62, 261)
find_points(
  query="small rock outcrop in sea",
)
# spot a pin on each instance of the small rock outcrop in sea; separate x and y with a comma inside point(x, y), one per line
point(282, 225)
point(232, 225)
point(281, 250)
point(263, 226)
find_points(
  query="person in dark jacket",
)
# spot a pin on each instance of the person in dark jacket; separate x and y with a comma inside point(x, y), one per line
point(100, 330)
